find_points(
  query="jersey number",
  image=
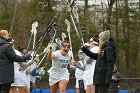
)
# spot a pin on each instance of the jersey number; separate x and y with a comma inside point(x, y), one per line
point(64, 65)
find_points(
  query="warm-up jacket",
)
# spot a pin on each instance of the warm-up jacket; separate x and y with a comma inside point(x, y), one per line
point(7, 58)
point(105, 63)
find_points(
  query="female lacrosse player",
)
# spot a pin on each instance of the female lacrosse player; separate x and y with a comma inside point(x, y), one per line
point(58, 73)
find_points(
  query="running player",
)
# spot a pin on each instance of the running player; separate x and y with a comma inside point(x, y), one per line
point(58, 73)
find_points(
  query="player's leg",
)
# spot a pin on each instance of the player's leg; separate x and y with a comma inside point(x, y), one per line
point(63, 85)
point(54, 88)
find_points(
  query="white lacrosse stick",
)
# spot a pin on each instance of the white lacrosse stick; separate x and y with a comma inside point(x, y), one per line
point(75, 13)
point(68, 30)
point(63, 36)
point(34, 31)
point(47, 49)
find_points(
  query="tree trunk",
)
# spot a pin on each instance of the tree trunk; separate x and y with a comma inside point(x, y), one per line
point(86, 8)
point(109, 13)
point(14, 16)
point(117, 39)
point(49, 5)
point(126, 37)
point(5, 4)
point(103, 19)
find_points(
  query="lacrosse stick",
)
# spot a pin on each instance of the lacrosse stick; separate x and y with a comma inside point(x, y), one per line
point(58, 42)
point(47, 49)
point(35, 32)
point(68, 30)
point(74, 24)
point(63, 35)
point(70, 9)
point(75, 13)
point(34, 25)
point(51, 24)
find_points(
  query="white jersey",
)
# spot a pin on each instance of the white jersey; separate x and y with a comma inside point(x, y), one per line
point(19, 76)
point(89, 70)
point(79, 74)
point(33, 78)
point(59, 70)
point(94, 50)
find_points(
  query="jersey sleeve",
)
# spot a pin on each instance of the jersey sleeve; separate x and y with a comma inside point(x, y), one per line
point(56, 54)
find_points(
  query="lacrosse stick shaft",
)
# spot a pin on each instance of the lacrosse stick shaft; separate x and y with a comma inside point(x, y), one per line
point(74, 24)
point(42, 60)
point(54, 36)
point(34, 41)
point(75, 13)
point(52, 23)
point(46, 52)
point(70, 44)
point(68, 30)
point(33, 31)
point(31, 34)
point(81, 35)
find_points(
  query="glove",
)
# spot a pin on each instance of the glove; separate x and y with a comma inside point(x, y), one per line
point(41, 72)
point(27, 57)
point(30, 62)
point(87, 45)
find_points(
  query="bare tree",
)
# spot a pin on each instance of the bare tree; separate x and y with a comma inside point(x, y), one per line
point(109, 13)
point(4, 4)
point(14, 15)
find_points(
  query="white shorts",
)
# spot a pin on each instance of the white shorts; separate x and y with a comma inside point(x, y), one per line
point(54, 79)
point(18, 82)
point(19, 79)
point(88, 81)
point(88, 78)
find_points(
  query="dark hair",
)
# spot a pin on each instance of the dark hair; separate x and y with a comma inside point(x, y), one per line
point(66, 40)
point(20, 49)
point(95, 38)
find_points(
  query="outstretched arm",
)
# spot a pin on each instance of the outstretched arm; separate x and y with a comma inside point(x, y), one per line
point(89, 53)
point(80, 66)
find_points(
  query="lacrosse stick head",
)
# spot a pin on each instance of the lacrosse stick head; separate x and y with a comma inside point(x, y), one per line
point(34, 26)
point(57, 28)
point(63, 36)
point(58, 41)
point(69, 8)
point(75, 13)
point(68, 25)
point(52, 22)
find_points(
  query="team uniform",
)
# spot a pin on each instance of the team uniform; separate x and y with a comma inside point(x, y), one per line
point(33, 78)
point(79, 74)
point(59, 70)
point(89, 70)
point(19, 76)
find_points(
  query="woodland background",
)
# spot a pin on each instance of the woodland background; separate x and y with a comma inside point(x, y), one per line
point(121, 17)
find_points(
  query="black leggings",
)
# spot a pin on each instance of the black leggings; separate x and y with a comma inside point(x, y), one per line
point(5, 88)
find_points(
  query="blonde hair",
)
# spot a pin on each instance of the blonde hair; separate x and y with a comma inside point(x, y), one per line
point(101, 44)
point(3, 33)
